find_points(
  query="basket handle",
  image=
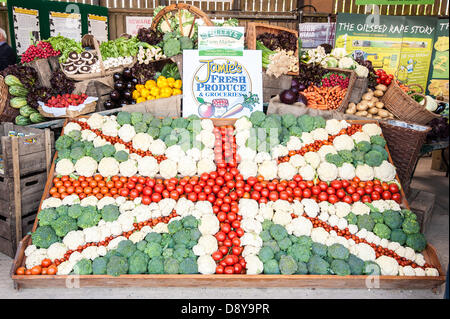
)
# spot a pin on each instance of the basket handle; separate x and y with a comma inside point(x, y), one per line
point(420, 94)
point(99, 56)
point(419, 86)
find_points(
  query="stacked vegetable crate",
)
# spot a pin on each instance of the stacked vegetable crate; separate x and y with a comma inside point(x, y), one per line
point(22, 182)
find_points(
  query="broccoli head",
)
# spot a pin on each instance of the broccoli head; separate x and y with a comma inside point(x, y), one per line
point(44, 237)
point(382, 231)
point(147, 118)
point(62, 210)
point(371, 268)
point(288, 120)
point(141, 245)
point(319, 122)
point(117, 266)
point(180, 253)
point(153, 249)
point(319, 249)
point(267, 223)
point(195, 234)
point(164, 132)
point(265, 254)
point(97, 154)
point(168, 252)
point(108, 150)
point(171, 266)
point(175, 226)
point(318, 266)
point(335, 159)
point(285, 243)
point(265, 235)
point(63, 142)
point(188, 266)
point(287, 265)
point(358, 157)
point(257, 118)
point(278, 232)
point(410, 226)
point(300, 252)
point(373, 158)
point(110, 213)
point(138, 263)
point(366, 222)
point(63, 225)
point(306, 123)
point(416, 242)
point(153, 132)
point(182, 236)
point(351, 219)
point(295, 131)
point(154, 238)
point(408, 214)
point(47, 216)
point(377, 217)
point(156, 122)
point(75, 211)
point(346, 156)
point(340, 267)
point(76, 153)
point(393, 219)
point(155, 266)
point(186, 43)
point(271, 267)
point(126, 248)
point(123, 118)
point(190, 222)
point(356, 264)
point(378, 140)
point(99, 266)
point(136, 117)
point(180, 122)
point(83, 267)
point(278, 255)
point(363, 146)
point(89, 218)
point(338, 251)
point(302, 268)
point(75, 135)
point(64, 153)
point(272, 244)
point(398, 236)
point(381, 150)
point(167, 241)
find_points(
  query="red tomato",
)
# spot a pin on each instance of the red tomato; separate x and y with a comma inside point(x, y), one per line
point(219, 269)
point(351, 190)
point(231, 216)
point(323, 197)
point(229, 270)
point(397, 197)
point(375, 196)
point(147, 191)
point(239, 231)
point(236, 241)
point(356, 197)
point(331, 191)
point(348, 199)
point(221, 216)
point(340, 193)
point(366, 199)
point(236, 250)
point(223, 250)
point(146, 200)
point(220, 236)
point(393, 188)
point(307, 193)
point(386, 195)
point(225, 228)
point(323, 186)
point(237, 268)
point(368, 189)
point(315, 190)
point(217, 255)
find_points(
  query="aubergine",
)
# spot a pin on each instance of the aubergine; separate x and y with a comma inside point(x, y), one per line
point(135, 81)
point(129, 86)
point(109, 105)
point(117, 77)
point(127, 95)
point(127, 74)
point(115, 95)
point(119, 86)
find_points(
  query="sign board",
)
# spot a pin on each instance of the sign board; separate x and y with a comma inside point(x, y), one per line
point(314, 34)
point(221, 41)
point(401, 45)
point(136, 23)
point(393, 2)
point(26, 28)
point(65, 24)
point(222, 87)
point(438, 84)
point(98, 27)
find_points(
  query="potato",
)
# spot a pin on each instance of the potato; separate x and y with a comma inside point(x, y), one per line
point(351, 111)
point(371, 103)
point(361, 113)
point(383, 113)
point(378, 93)
point(369, 116)
point(379, 105)
point(377, 117)
point(351, 105)
point(375, 99)
point(373, 110)
point(362, 107)
point(381, 87)
point(368, 96)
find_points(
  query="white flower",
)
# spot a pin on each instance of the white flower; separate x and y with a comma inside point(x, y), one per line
point(253, 265)
point(127, 132)
point(110, 128)
point(324, 150)
point(372, 129)
point(320, 134)
point(108, 166)
point(386, 172)
point(360, 136)
point(248, 168)
point(168, 168)
point(268, 169)
point(246, 153)
point(294, 143)
point(243, 124)
point(313, 159)
point(343, 142)
point(365, 172)
point(307, 172)
point(327, 172)
point(388, 265)
point(157, 147)
point(297, 161)
point(148, 166)
point(205, 166)
point(333, 127)
point(128, 168)
point(346, 171)
point(286, 171)
point(262, 157)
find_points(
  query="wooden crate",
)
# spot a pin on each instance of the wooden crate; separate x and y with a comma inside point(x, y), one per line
point(273, 87)
point(256, 29)
point(247, 281)
point(26, 166)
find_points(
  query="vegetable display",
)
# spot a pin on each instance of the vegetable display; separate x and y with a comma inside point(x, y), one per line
point(135, 194)
point(124, 84)
point(42, 50)
point(371, 105)
point(278, 62)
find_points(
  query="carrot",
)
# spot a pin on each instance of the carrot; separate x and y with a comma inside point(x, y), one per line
point(235, 109)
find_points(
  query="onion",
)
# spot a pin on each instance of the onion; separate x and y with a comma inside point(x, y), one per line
point(302, 99)
point(288, 97)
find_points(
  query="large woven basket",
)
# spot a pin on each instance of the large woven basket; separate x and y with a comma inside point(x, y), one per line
point(359, 88)
point(256, 29)
point(351, 84)
point(404, 141)
point(7, 113)
point(404, 107)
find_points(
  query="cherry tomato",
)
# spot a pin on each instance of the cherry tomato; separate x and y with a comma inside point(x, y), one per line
point(226, 228)
point(229, 270)
point(223, 250)
point(386, 195)
point(393, 188)
point(217, 255)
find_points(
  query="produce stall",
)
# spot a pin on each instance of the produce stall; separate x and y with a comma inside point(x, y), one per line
point(310, 192)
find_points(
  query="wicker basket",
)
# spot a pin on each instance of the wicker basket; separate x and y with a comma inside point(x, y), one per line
point(359, 88)
point(404, 142)
point(256, 29)
point(351, 84)
point(399, 103)
point(7, 113)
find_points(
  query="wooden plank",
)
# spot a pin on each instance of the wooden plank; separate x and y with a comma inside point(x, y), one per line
point(48, 149)
point(17, 193)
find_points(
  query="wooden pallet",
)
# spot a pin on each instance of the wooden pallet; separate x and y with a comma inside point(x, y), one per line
point(26, 167)
point(247, 281)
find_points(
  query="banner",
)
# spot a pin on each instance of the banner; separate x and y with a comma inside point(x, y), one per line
point(314, 34)
point(221, 41)
point(438, 84)
point(222, 87)
point(401, 45)
point(393, 2)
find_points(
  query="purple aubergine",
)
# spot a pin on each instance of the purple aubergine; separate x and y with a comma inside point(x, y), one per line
point(288, 97)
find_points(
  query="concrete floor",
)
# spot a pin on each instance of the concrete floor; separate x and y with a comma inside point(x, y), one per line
point(437, 234)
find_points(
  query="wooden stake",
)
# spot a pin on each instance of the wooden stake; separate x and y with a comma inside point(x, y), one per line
point(48, 150)
point(17, 192)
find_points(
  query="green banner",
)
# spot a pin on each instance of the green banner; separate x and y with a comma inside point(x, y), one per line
point(393, 2)
point(402, 46)
point(438, 82)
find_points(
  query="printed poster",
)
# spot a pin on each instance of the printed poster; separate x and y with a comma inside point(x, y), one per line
point(222, 87)
point(438, 84)
point(65, 24)
point(26, 28)
point(136, 23)
point(314, 34)
point(402, 46)
point(221, 41)
point(98, 27)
